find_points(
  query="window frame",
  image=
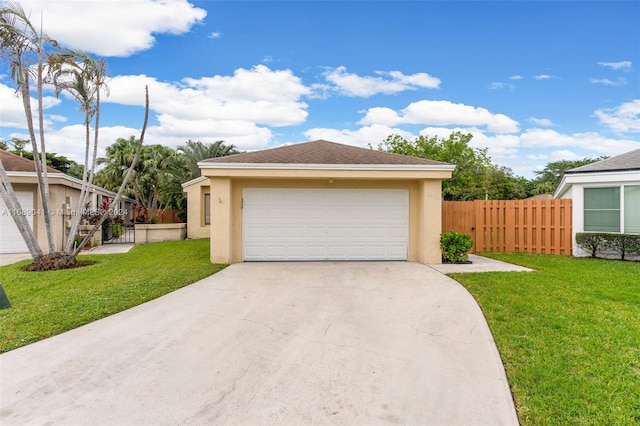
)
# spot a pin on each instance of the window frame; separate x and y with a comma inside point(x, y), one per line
point(622, 206)
point(206, 209)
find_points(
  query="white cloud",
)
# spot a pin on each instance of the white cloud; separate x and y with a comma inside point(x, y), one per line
point(622, 65)
point(369, 135)
point(545, 77)
point(442, 113)
point(619, 82)
point(353, 85)
point(382, 115)
point(623, 118)
point(12, 111)
point(215, 34)
point(564, 154)
point(516, 77)
point(112, 28)
point(544, 122)
point(497, 86)
point(258, 95)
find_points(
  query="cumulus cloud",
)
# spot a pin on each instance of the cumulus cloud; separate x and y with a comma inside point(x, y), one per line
point(622, 65)
point(12, 111)
point(516, 77)
point(258, 95)
point(623, 118)
point(544, 122)
point(442, 113)
point(215, 34)
point(364, 136)
point(121, 30)
point(618, 82)
point(386, 82)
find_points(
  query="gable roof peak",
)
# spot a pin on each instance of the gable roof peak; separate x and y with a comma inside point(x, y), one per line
point(321, 152)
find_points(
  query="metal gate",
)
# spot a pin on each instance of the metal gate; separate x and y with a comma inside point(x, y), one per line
point(118, 233)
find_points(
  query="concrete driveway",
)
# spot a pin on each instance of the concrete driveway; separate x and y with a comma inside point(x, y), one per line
point(273, 343)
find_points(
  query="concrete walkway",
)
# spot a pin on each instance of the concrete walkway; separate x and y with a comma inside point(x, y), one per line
point(10, 258)
point(348, 343)
point(479, 264)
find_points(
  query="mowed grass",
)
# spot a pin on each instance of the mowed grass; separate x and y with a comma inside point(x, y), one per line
point(48, 303)
point(569, 336)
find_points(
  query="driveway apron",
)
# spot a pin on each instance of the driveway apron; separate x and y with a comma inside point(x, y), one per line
point(352, 343)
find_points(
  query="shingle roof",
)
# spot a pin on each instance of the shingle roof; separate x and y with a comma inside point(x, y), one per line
point(322, 152)
point(623, 162)
point(16, 163)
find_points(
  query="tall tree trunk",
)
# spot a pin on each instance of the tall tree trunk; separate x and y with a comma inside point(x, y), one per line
point(45, 178)
point(116, 200)
point(11, 201)
point(75, 224)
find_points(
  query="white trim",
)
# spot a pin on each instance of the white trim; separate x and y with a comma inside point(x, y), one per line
point(60, 175)
point(599, 178)
point(194, 181)
point(305, 166)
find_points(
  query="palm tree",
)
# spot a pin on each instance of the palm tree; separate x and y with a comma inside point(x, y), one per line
point(21, 45)
point(195, 151)
point(82, 76)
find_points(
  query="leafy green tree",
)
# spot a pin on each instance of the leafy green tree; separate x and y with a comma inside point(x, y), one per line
point(475, 176)
point(154, 173)
point(4, 145)
point(548, 179)
point(504, 185)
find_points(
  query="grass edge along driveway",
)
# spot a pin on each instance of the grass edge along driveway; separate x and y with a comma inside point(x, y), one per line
point(568, 335)
point(48, 303)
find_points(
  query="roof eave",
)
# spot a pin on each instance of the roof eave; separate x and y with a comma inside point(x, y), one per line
point(302, 166)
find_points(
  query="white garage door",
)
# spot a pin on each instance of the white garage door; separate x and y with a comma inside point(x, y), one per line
point(10, 238)
point(318, 224)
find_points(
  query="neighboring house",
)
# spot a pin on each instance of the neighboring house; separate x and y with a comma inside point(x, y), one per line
point(198, 207)
point(605, 194)
point(64, 192)
point(318, 201)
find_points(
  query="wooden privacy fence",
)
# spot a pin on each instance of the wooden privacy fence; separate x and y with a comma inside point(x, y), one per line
point(529, 226)
point(163, 215)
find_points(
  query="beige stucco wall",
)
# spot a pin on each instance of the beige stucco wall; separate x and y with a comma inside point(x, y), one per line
point(424, 204)
point(196, 227)
point(154, 233)
point(64, 195)
point(57, 195)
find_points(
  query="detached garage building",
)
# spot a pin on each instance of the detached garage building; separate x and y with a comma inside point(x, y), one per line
point(318, 201)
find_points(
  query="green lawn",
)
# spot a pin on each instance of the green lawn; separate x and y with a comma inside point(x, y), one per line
point(48, 303)
point(569, 336)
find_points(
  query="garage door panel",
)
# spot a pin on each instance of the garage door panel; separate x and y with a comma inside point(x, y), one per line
point(12, 241)
point(296, 224)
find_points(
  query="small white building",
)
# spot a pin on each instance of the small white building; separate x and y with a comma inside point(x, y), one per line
point(605, 194)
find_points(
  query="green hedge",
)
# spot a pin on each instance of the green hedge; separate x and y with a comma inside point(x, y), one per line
point(598, 242)
point(455, 246)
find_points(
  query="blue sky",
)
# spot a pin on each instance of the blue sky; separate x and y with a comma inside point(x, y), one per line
point(534, 82)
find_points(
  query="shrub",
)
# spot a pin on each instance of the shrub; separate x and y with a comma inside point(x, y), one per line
point(455, 246)
point(117, 230)
point(596, 242)
point(624, 244)
point(591, 242)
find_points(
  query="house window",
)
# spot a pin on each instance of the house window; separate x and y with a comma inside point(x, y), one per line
point(632, 209)
point(602, 209)
point(207, 209)
point(612, 209)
